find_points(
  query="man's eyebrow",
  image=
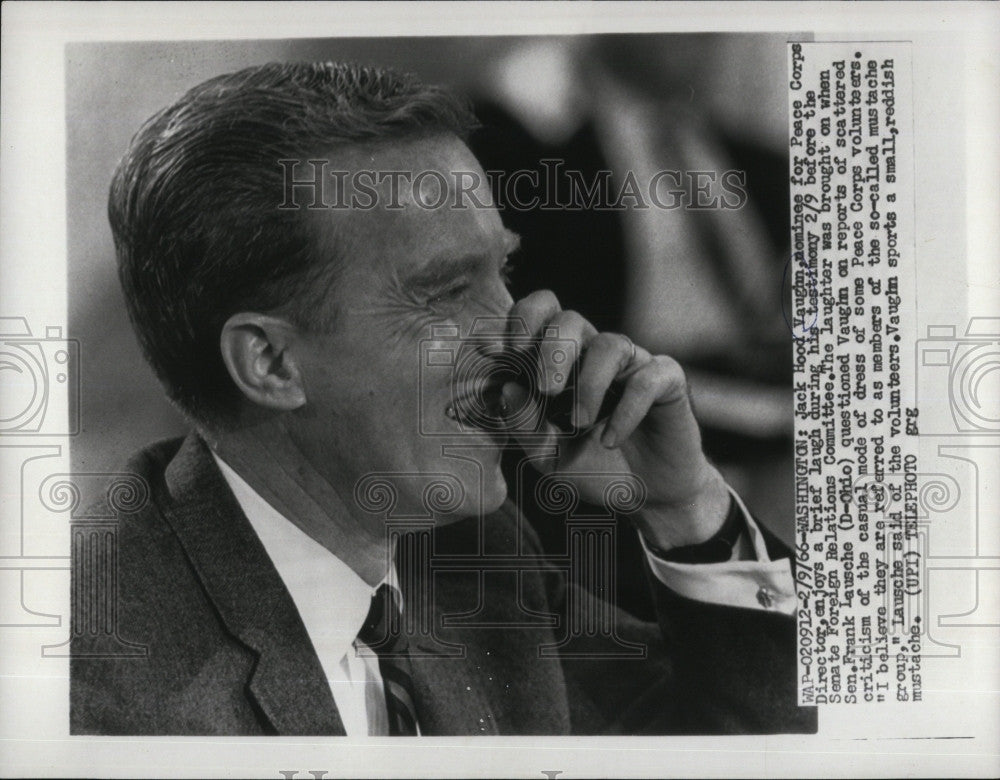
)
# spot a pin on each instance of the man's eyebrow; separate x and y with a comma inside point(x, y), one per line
point(443, 269)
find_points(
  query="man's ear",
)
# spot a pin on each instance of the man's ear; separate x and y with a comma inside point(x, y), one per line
point(255, 349)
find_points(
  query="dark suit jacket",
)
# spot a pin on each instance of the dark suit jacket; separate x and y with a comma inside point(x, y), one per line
point(228, 654)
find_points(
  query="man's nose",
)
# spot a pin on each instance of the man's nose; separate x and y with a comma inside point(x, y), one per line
point(491, 327)
point(497, 304)
point(506, 301)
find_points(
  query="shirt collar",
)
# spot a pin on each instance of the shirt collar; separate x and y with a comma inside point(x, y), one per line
point(332, 600)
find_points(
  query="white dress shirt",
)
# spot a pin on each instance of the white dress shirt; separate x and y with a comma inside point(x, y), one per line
point(333, 600)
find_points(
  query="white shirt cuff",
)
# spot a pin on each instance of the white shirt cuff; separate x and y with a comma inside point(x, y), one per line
point(760, 584)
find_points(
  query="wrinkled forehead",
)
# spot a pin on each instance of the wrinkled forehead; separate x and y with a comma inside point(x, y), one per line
point(394, 206)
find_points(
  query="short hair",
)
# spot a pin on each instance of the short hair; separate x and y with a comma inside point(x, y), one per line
point(194, 203)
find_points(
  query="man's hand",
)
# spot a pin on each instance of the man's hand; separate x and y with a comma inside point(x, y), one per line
point(651, 433)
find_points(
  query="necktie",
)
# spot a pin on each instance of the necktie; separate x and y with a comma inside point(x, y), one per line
point(382, 634)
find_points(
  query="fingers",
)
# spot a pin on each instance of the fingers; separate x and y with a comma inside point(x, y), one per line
point(660, 381)
point(563, 339)
point(608, 356)
point(558, 335)
point(528, 316)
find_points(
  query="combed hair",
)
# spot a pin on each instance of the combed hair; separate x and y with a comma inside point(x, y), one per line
point(194, 203)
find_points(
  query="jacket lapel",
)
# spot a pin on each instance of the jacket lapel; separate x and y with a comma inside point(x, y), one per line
point(452, 690)
point(487, 676)
point(287, 683)
point(498, 684)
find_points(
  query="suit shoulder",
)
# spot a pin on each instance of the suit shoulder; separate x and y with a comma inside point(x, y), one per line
point(142, 628)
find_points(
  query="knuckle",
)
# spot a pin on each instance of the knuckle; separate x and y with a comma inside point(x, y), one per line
point(546, 299)
point(646, 381)
point(671, 370)
point(565, 326)
point(574, 320)
point(532, 311)
point(604, 342)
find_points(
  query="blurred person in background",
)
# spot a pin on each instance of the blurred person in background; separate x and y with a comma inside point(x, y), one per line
point(701, 284)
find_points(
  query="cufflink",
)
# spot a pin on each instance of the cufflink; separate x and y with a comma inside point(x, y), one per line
point(764, 598)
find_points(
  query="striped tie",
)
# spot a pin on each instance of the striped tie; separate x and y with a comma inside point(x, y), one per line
point(382, 633)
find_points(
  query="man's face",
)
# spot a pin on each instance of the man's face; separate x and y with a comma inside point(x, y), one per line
point(406, 268)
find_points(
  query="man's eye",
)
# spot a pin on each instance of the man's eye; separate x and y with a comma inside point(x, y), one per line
point(450, 294)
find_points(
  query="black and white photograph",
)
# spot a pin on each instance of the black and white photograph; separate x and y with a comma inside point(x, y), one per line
point(370, 375)
point(361, 327)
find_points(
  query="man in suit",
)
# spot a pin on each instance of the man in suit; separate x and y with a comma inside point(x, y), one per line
point(293, 241)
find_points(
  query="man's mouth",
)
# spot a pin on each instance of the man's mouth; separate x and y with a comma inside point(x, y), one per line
point(481, 404)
